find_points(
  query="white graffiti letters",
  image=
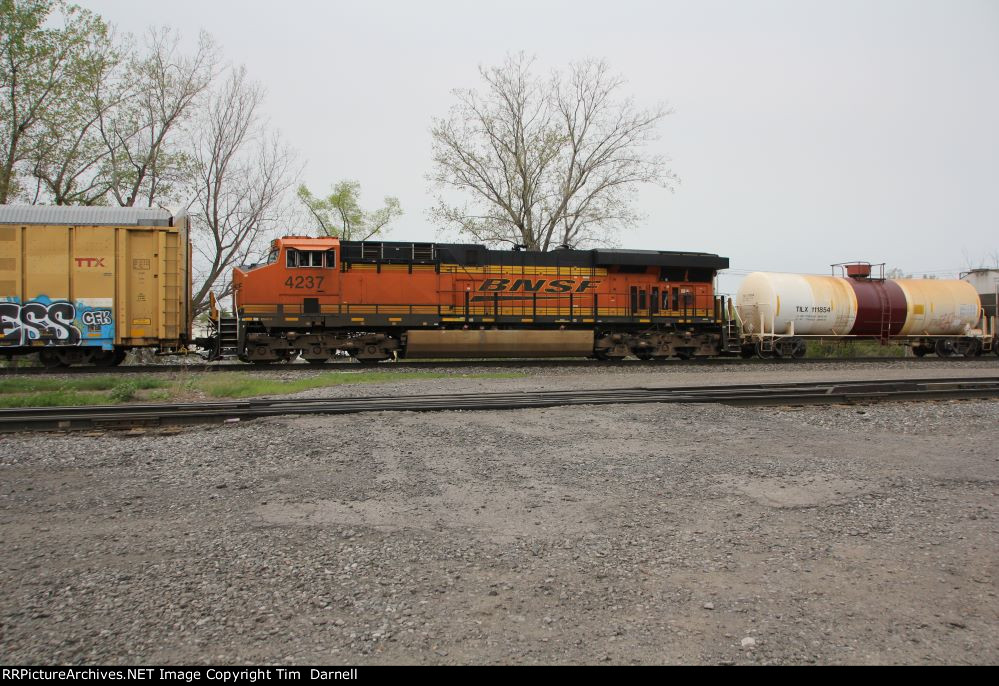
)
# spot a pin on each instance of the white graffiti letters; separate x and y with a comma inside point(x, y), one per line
point(38, 321)
point(96, 317)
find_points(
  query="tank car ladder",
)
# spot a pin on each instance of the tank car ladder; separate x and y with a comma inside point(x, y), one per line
point(884, 331)
point(731, 326)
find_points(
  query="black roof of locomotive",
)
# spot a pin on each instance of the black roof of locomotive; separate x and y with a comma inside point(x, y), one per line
point(472, 255)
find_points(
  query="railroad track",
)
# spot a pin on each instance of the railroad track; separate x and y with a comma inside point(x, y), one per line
point(464, 364)
point(798, 393)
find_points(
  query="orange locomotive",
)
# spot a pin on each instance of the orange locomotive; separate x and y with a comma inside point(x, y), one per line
point(378, 300)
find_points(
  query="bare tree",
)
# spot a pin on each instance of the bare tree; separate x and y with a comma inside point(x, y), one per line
point(240, 174)
point(145, 158)
point(546, 161)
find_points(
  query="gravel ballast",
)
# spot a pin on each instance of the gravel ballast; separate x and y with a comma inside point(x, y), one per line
point(620, 534)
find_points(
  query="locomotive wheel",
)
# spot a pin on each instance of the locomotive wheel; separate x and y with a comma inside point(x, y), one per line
point(945, 348)
point(644, 356)
point(684, 354)
point(747, 351)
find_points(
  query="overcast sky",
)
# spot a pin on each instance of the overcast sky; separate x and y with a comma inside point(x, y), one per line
point(804, 133)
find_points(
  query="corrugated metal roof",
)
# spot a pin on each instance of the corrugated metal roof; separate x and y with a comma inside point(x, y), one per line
point(84, 216)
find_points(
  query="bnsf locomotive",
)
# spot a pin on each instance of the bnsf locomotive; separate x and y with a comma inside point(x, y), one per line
point(378, 300)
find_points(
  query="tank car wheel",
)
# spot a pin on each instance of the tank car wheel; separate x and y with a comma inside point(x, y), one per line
point(761, 353)
point(919, 351)
point(945, 348)
point(974, 349)
point(800, 348)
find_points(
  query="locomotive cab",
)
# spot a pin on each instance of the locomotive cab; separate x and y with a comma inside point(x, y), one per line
point(298, 274)
point(285, 295)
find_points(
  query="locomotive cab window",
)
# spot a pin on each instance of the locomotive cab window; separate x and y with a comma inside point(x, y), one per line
point(311, 258)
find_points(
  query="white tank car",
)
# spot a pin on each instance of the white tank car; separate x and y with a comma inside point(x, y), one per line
point(805, 305)
point(796, 304)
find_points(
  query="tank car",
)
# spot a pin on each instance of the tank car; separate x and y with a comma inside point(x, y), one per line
point(779, 312)
point(376, 300)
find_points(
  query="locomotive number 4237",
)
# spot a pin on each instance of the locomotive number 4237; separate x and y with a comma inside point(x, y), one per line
point(305, 282)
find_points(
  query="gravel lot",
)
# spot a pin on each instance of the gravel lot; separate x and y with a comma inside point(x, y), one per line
point(621, 534)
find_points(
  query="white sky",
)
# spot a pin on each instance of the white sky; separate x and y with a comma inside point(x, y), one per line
point(805, 133)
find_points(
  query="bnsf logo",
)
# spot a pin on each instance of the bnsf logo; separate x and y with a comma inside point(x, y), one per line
point(536, 286)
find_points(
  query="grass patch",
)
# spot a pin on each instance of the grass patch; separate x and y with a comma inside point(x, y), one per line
point(849, 349)
point(53, 399)
point(113, 390)
point(88, 383)
point(243, 386)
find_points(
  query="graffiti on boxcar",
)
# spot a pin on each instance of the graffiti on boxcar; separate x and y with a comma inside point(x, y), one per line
point(54, 322)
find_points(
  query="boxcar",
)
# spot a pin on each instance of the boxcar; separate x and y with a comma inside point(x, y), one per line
point(85, 284)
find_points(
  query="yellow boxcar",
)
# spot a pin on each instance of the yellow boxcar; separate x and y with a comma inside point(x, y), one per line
point(85, 284)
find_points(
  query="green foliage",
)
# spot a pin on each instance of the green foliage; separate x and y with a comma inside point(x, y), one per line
point(50, 52)
point(339, 214)
point(124, 390)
